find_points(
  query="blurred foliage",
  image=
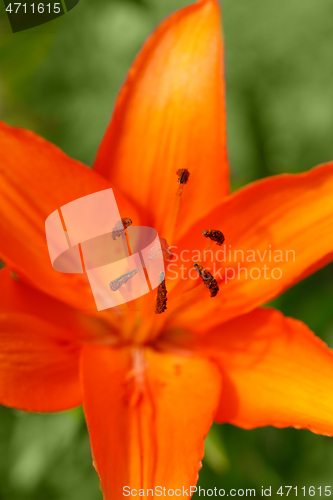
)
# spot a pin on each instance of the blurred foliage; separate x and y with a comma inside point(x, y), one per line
point(61, 80)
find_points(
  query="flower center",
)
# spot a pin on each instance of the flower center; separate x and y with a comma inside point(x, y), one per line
point(140, 325)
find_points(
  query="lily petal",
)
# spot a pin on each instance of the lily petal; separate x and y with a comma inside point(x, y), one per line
point(145, 412)
point(170, 115)
point(37, 178)
point(286, 221)
point(275, 372)
point(39, 350)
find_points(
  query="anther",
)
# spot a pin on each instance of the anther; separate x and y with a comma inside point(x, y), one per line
point(120, 227)
point(122, 280)
point(161, 297)
point(167, 254)
point(160, 250)
point(214, 235)
point(183, 175)
point(209, 281)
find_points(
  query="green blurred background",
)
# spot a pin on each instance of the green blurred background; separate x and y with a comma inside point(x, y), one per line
point(60, 80)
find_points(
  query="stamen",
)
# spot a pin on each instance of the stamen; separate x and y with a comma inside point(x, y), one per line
point(161, 297)
point(214, 235)
point(167, 254)
point(120, 227)
point(122, 280)
point(209, 281)
point(157, 251)
point(183, 175)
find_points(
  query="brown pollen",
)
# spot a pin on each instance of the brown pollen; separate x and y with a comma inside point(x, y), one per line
point(122, 280)
point(160, 249)
point(214, 235)
point(183, 175)
point(209, 281)
point(161, 296)
point(120, 227)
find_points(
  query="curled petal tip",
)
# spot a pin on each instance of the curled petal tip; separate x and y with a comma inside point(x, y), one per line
point(213, 3)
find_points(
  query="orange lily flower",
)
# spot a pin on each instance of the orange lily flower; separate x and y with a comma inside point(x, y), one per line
point(152, 384)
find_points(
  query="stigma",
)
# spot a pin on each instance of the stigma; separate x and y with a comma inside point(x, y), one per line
point(208, 280)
